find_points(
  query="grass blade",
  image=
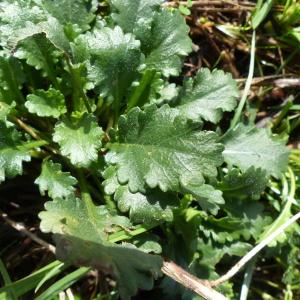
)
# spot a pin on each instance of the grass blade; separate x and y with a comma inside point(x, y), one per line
point(261, 13)
point(28, 283)
point(63, 284)
point(7, 281)
point(55, 271)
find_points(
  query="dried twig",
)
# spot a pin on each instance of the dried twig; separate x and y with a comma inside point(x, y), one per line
point(211, 3)
point(224, 6)
point(268, 79)
point(21, 228)
point(201, 287)
point(287, 82)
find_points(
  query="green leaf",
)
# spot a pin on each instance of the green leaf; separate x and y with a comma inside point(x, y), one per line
point(225, 229)
point(168, 44)
point(151, 207)
point(16, 15)
point(148, 243)
point(212, 252)
point(285, 214)
point(62, 284)
point(49, 103)
point(72, 216)
point(12, 155)
point(242, 185)
point(24, 285)
point(23, 19)
point(159, 148)
point(70, 12)
point(207, 196)
point(208, 95)
point(40, 54)
point(163, 34)
point(132, 268)
point(247, 147)
point(58, 184)
point(184, 10)
point(7, 281)
point(261, 12)
point(52, 273)
point(251, 213)
point(113, 59)
point(148, 208)
point(12, 78)
point(51, 29)
point(135, 16)
point(81, 240)
point(80, 140)
point(5, 110)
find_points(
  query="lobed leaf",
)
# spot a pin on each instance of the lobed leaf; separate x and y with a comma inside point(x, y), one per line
point(17, 15)
point(12, 78)
point(79, 140)
point(12, 154)
point(113, 58)
point(163, 34)
point(159, 148)
point(77, 12)
point(251, 213)
point(247, 146)
point(150, 207)
point(168, 44)
point(81, 234)
point(207, 196)
point(58, 184)
point(238, 185)
point(39, 53)
point(24, 19)
point(208, 95)
point(135, 16)
point(49, 103)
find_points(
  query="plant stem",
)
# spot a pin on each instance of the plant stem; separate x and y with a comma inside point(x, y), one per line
point(116, 106)
point(77, 89)
point(107, 199)
point(86, 197)
point(34, 133)
point(139, 90)
point(242, 103)
point(283, 112)
point(123, 235)
point(33, 144)
point(31, 131)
